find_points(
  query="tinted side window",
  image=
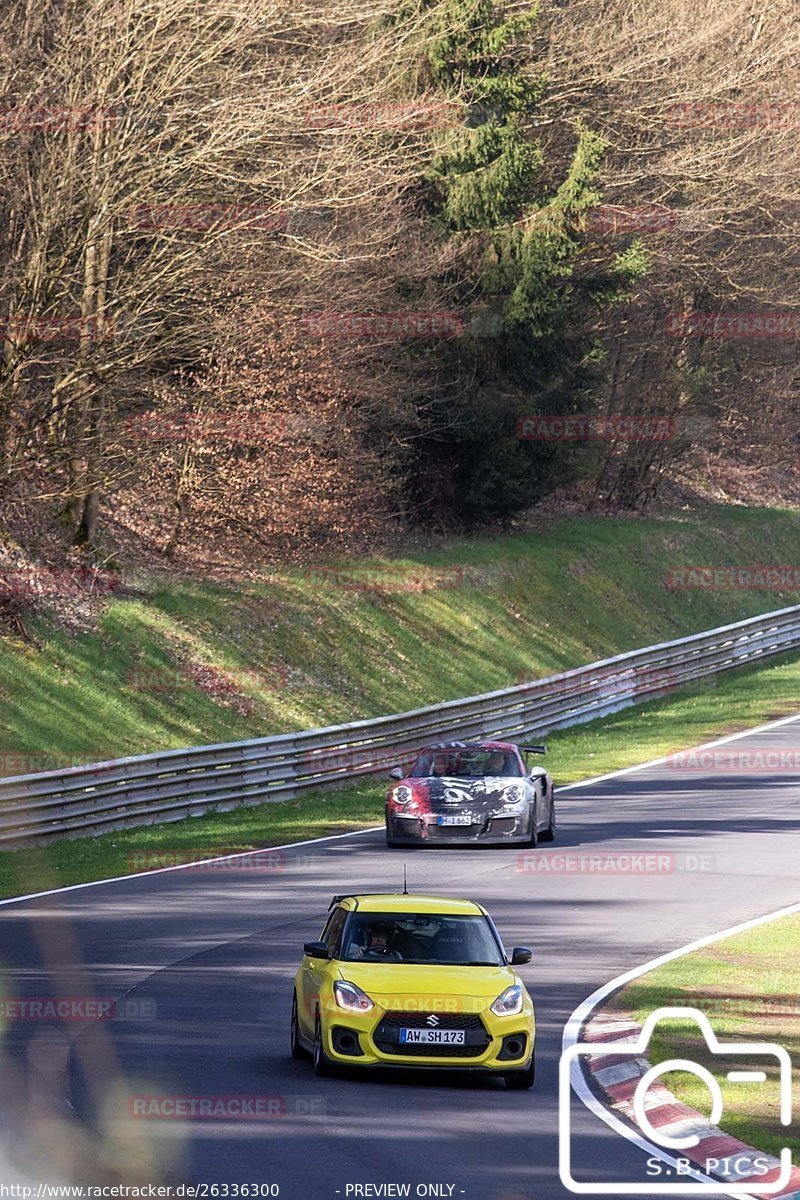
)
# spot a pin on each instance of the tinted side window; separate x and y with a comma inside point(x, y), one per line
point(332, 931)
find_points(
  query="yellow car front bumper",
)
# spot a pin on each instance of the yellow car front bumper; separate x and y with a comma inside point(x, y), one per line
point(491, 1043)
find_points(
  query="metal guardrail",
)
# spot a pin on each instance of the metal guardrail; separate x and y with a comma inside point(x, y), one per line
point(153, 788)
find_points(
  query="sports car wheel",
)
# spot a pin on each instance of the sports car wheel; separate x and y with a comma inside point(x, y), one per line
point(297, 1049)
point(322, 1064)
point(549, 834)
point(522, 1079)
point(533, 840)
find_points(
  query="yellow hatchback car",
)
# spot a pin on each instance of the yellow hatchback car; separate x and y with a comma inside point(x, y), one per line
point(413, 981)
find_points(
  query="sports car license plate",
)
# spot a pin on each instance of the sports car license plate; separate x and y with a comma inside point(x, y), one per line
point(440, 1037)
point(454, 819)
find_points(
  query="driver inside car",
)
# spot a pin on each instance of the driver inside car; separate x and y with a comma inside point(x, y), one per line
point(376, 946)
point(496, 763)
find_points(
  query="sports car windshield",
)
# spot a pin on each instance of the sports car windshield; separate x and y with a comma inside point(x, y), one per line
point(471, 762)
point(421, 938)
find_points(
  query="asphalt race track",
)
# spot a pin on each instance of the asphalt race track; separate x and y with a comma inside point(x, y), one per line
point(209, 955)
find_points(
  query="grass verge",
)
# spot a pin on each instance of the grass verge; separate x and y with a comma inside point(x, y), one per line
point(688, 717)
point(748, 987)
point(170, 663)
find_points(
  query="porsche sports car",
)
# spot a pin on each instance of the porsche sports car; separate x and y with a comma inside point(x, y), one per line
point(413, 981)
point(471, 792)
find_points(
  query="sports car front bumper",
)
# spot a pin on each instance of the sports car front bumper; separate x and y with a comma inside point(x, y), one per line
point(433, 828)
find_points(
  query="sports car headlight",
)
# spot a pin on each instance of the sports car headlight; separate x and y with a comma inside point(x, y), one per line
point(348, 996)
point(402, 795)
point(514, 795)
point(510, 1002)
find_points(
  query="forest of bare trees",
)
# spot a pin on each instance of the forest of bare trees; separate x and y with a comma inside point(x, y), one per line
point(278, 276)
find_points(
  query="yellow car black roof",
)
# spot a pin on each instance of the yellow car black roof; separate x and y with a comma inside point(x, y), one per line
point(401, 902)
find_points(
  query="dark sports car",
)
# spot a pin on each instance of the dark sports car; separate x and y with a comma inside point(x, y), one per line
point(465, 792)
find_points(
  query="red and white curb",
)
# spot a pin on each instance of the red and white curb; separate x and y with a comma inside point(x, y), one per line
point(616, 1076)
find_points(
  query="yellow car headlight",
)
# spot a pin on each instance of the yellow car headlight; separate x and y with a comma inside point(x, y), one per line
point(510, 1002)
point(350, 997)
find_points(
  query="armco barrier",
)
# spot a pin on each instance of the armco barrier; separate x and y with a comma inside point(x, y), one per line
point(152, 788)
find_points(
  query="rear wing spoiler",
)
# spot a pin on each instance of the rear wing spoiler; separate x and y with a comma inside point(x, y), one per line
point(535, 749)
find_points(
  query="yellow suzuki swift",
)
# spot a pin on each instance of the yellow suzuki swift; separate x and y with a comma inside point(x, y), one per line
point(413, 981)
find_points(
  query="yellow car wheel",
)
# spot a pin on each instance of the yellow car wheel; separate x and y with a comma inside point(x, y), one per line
point(297, 1049)
point(522, 1079)
point(322, 1064)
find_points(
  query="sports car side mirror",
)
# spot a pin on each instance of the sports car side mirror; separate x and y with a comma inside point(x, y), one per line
point(520, 955)
point(396, 773)
point(316, 950)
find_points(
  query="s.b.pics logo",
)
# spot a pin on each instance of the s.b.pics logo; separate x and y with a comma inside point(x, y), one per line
point(615, 1079)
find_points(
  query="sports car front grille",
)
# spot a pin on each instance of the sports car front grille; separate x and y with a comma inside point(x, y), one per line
point(386, 1035)
point(454, 831)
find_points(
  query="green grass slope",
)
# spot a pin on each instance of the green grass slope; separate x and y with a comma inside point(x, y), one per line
point(336, 642)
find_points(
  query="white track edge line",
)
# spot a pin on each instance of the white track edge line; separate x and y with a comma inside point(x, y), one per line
point(572, 1031)
point(653, 762)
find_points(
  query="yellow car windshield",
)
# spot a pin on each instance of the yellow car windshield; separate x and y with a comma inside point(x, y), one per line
point(421, 938)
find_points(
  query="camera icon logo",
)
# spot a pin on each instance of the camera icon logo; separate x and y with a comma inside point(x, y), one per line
point(665, 1142)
